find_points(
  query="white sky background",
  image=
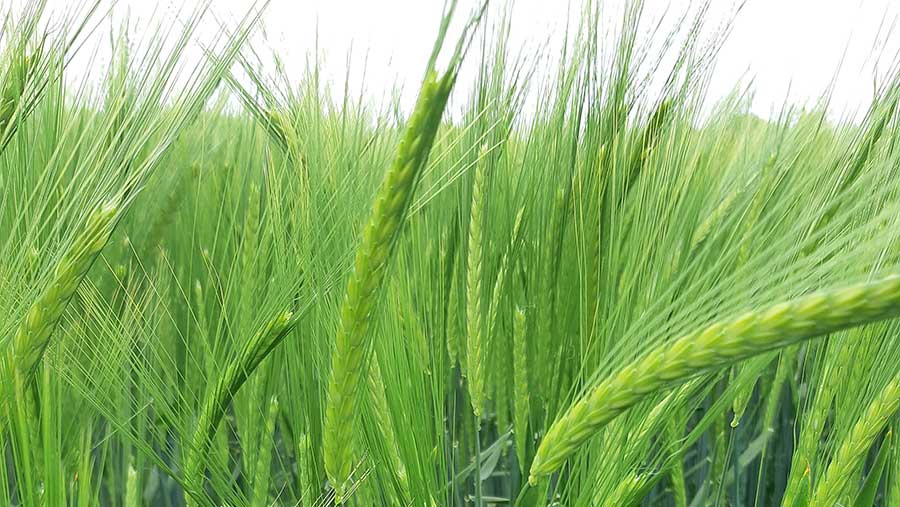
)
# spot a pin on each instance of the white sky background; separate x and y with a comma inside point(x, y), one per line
point(791, 50)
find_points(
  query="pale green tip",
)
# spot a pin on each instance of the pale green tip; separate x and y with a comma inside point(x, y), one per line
point(110, 208)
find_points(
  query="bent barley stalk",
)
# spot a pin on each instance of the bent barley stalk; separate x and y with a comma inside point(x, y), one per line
point(853, 450)
point(352, 343)
point(227, 385)
point(715, 346)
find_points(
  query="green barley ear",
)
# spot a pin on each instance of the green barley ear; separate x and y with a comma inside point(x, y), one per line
point(33, 335)
point(166, 214)
point(521, 397)
point(306, 483)
point(216, 402)
point(475, 346)
point(263, 468)
point(742, 397)
point(855, 447)
point(649, 139)
point(869, 490)
point(627, 492)
point(715, 346)
point(814, 423)
point(353, 342)
point(25, 73)
point(16, 76)
point(132, 483)
point(453, 332)
point(676, 471)
point(715, 217)
point(381, 414)
point(32, 258)
point(280, 128)
point(802, 497)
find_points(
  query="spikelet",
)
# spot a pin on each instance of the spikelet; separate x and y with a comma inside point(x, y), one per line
point(496, 293)
point(263, 468)
point(33, 335)
point(200, 311)
point(521, 396)
point(745, 393)
point(32, 338)
point(305, 471)
point(250, 240)
point(501, 373)
point(784, 368)
point(892, 495)
point(676, 470)
point(19, 72)
point(855, 447)
point(227, 385)
point(249, 250)
point(167, 213)
point(752, 215)
point(32, 257)
point(714, 218)
point(815, 420)
point(649, 140)
point(626, 492)
point(382, 416)
point(279, 126)
point(475, 346)
point(353, 343)
point(501, 347)
point(717, 345)
point(755, 210)
point(499, 282)
point(546, 301)
point(715, 477)
point(453, 323)
point(661, 412)
point(448, 266)
point(281, 129)
point(132, 491)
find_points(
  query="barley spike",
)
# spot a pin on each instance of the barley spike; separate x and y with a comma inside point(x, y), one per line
point(475, 348)
point(353, 343)
point(227, 385)
point(855, 447)
point(715, 346)
point(521, 397)
point(33, 335)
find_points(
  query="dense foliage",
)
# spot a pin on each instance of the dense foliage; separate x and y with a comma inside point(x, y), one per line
point(571, 286)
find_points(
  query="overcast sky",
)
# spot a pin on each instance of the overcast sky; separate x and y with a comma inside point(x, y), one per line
point(790, 49)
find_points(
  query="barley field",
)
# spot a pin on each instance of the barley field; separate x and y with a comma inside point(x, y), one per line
point(572, 287)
